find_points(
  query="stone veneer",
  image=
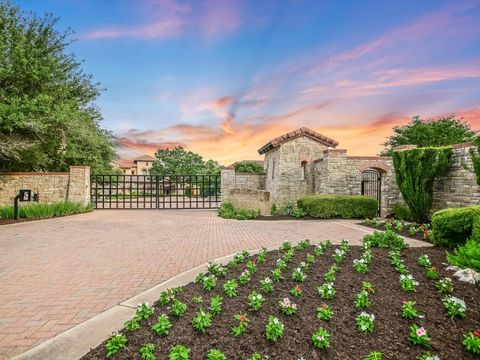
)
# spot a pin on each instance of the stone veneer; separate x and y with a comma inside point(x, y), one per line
point(240, 180)
point(257, 200)
point(51, 187)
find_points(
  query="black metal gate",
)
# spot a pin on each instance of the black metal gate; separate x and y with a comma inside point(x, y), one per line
point(372, 186)
point(155, 191)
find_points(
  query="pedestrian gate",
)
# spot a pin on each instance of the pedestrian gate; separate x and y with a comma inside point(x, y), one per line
point(371, 185)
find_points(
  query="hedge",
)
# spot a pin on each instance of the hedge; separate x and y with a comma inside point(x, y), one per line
point(339, 206)
point(453, 226)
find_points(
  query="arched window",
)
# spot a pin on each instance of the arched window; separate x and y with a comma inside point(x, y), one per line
point(304, 170)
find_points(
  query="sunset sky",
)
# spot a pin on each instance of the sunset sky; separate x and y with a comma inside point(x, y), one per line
point(223, 77)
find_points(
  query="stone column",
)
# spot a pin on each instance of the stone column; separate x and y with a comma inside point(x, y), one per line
point(79, 185)
point(227, 182)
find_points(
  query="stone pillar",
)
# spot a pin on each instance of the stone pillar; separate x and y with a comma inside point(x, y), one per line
point(79, 185)
point(227, 182)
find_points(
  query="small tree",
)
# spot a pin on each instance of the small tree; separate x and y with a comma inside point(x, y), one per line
point(248, 166)
point(431, 132)
point(415, 171)
point(178, 161)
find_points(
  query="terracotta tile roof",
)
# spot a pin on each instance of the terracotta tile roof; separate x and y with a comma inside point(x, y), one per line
point(145, 158)
point(303, 131)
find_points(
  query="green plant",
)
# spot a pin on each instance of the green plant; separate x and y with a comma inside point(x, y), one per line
point(329, 276)
point(144, 311)
point(262, 256)
point(324, 312)
point(296, 291)
point(471, 341)
point(466, 256)
point(368, 287)
point(339, 206)
point(298, 213)
point(365, 322)
point(248, 166)
point(215, 354)
point(115, 344)
point(310, 259)
point(217, 270)
point(303, 244)
point(132, 324)
point(267, 284)
point(43, 211)
point(339, 255)
point(197, 300)
point(255, 300)
point(252, 266)
point(384, 239)
point(427, 356)
point(288, 256)
point(374, 355)
point(418, 336)
point(402, 212)
point(432, 273)
point(202, 321)
point(277, 275)
point(424, 261)
point(299, 275)
point(178, 308)
point(147, 352)
point(227, 211)
point(273, 329)
point(454, 306)
point(362, 300)
point(162, 326)
point(280, 264)
point(230, 288)
point(242, 326)
point(415, 171)
point(287, 307)
point(209, 282)
point(244, 277)
point(179, 352)
point(215, 305)
point(327, 291)
point(475, 156)
point(408, 310)
point(444, 285)
point(167, 296)
point(256, 356)
point(321, 339)
point(453, 226)
point(286, 246)
point(408, 283)
point(361, 265)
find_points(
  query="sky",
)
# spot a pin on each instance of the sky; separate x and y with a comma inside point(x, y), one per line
point(223, 77)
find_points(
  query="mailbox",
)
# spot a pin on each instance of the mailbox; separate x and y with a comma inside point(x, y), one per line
point(25, 195)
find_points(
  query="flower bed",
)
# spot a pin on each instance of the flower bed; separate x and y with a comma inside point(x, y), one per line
point(411, 230)
point(316, 304)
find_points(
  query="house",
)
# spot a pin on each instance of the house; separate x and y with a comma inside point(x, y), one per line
point(140, 166)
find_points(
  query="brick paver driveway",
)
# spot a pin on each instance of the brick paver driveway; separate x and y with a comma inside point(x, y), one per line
point(55, 274)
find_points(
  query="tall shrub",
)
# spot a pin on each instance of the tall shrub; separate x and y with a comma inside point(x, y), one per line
point(475, 155)
point(415, 171)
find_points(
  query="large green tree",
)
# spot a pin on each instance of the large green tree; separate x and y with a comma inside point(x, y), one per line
point(178, 161)
point(430, 132)
point(48, 118)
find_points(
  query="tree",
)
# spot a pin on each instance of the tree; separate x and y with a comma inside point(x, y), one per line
point(48, 118)
point(248, 166)
point(424, 133)
point(178, 161)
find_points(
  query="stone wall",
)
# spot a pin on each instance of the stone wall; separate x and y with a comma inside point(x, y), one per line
point(73, 186)
point(230, 179)
point(257, 200)
point(289, 169)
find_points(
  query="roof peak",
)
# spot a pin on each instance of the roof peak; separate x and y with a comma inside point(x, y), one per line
point(145, 158)
point(303, 131)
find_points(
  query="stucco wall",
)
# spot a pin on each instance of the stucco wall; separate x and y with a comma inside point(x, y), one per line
point(51, 187)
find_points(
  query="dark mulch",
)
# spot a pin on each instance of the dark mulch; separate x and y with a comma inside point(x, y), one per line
point(11, 221)
point(389, 337)
point(418, 236)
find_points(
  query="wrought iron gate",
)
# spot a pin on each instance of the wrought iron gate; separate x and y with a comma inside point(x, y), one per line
point(155, 191)
point(372, 186)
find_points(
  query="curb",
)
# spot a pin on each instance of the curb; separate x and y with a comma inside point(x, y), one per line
point(73, 343)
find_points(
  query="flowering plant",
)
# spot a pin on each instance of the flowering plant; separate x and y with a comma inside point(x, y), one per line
point(217, 269)
point(344, 245)
point(273, 329)
point(408, 309)
point(367, 255)
point(116, 343)
point(368, 287)
point(321, 338)
point(288, 256)
point(361, 265)
point(324, 312)
point(202, 321)
point(262, 256)
point(179, 352)
point(454, 306)
point(298, 275)
point(424, 261)
point(167, 296)
point(427, 356)
point(147, 352)
point(178, 308)
point(285, 246)
point(215, 305)
point(408, 283)
point(282, 265)
point(287, 307)
point(412, 230)
point(255, 300)
point(319, 250)
point(310, 259)
point(144, 311)
point(132, 324)
point(327, 291)
point(209, 282)
point(162, 326)
point(303, 244)
point(244, 277)
point(230, 288)
point(215, 354)
point(241, 328)
point(304, 266)
point(432, 273)
point(471, 341)
point(267, 284)
point(374, 355)
point(444, 285)
point(256, 356)
point(296, 291)
point(339, 255)
point(329, 276)
point(277, 275)
point(362, 300)
point(418, 336)
point(252, 266)
point(365, 322)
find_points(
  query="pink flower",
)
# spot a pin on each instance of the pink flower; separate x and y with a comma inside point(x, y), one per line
point(476, 333)
point(421, 332)
point(243, 318)
point(324, 306)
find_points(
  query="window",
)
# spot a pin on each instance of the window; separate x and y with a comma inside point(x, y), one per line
point(273, 170)
point(304, 170)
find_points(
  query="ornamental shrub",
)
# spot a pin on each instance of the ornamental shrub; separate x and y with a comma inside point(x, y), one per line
point(452, 227)
point(227, 211)
point(248, 166)
point(466, 256)
point(339, 206)
point(415, 171)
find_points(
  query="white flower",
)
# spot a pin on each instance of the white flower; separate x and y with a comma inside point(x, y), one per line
point(275, 320)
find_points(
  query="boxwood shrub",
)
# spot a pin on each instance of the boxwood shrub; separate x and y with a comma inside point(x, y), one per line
point(453, 226)
point(339, 206)
point(227, 211)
